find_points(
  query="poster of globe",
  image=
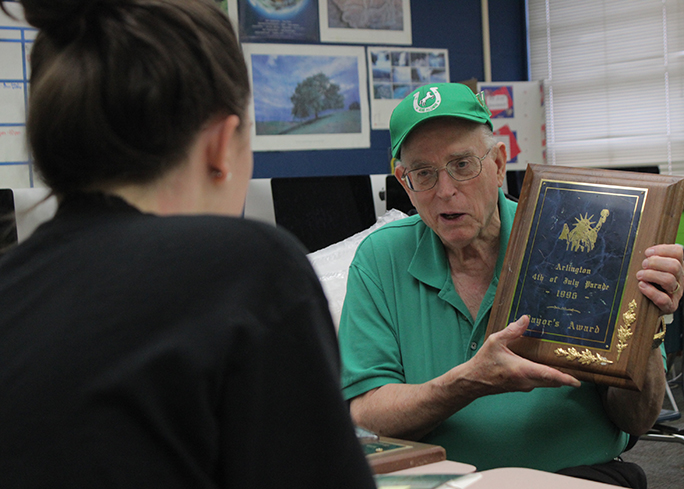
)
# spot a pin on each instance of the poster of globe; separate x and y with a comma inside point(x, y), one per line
point(278, 20)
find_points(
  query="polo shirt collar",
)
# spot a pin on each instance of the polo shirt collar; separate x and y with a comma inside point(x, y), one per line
point(429, 262)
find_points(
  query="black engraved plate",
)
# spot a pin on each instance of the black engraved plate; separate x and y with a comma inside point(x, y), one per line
point(576, 261)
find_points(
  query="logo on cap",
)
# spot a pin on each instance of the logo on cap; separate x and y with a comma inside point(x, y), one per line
point(428, 103)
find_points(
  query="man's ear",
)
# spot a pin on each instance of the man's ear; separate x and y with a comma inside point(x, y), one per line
point(500, 159)
point(220, 142)
point(398, 173)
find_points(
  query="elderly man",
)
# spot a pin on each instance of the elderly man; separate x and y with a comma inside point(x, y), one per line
point(419, 295)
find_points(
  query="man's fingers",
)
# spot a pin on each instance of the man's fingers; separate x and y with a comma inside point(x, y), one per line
point(531, 374)
point(515, 329)
point(673, 251)
point(556, 378)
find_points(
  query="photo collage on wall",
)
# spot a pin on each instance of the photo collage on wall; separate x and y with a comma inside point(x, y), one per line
point(312, 95)
point(395, 72)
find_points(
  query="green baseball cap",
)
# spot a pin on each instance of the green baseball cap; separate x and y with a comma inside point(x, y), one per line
point(435, 100)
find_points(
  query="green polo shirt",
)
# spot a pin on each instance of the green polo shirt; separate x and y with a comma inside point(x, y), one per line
point(403, 322)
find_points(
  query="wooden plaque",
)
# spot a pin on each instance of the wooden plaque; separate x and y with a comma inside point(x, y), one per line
point(391, 454)
point(578, 240)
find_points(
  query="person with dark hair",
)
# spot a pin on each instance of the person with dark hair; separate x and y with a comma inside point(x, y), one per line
point(149, 336)
point(420, 290)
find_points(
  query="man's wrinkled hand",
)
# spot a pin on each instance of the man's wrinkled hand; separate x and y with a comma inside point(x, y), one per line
point(505, 371)
point(661, 276)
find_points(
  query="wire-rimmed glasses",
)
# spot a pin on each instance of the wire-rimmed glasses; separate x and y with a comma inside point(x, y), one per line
point(460, 169)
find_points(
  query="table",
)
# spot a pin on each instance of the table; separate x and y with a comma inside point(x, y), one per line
point(507, 477)
point(412, 458)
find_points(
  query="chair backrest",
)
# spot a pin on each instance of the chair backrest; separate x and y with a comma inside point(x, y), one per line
point(22, 211)
point(321, 211)
point(396, 196)
point(32, 206)
point(8, 223)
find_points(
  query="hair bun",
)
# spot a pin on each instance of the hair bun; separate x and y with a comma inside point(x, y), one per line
point(63, 20)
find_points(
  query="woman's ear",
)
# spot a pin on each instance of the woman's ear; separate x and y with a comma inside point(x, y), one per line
point(221, 136)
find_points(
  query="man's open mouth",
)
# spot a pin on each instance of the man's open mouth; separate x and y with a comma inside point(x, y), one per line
point(451, 216)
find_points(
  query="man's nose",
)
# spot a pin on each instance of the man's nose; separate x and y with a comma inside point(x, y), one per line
point(445, 184)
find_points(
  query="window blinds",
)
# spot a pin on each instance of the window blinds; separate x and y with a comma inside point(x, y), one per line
point(613, 74)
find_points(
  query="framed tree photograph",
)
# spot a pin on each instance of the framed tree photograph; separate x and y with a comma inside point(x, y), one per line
point(308, 97)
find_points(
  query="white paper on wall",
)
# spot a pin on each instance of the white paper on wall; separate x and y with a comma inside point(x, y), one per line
point(519, 120)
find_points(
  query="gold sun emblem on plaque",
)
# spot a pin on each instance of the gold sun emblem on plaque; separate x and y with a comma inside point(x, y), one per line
point(583, 235)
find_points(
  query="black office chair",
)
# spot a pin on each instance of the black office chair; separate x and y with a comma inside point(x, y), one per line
point(8, 224)
point(395, 196)
point(661, 431)
point(322, 211)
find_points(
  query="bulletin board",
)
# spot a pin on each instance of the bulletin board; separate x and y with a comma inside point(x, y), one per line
point(455, 27)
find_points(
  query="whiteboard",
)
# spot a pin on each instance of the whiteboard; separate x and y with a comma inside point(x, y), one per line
point(16, 40)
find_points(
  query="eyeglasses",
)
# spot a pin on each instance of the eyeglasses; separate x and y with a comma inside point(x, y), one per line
point(461, 169)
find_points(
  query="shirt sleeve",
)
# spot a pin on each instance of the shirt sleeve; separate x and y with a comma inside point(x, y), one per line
point(369, 346)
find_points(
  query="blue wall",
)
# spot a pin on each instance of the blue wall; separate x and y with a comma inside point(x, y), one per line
point(452, 24)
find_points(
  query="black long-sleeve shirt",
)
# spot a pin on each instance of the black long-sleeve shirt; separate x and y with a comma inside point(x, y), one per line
point(147, 351)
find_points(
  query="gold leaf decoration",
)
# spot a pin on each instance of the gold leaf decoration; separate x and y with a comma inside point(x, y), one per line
point(625, 331)
point(585, 357)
